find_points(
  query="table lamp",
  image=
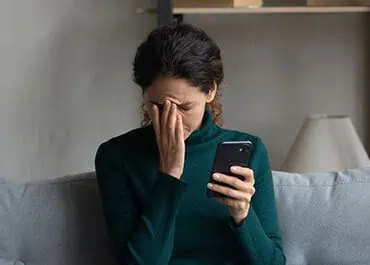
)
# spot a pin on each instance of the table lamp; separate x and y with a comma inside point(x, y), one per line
point(326, 143)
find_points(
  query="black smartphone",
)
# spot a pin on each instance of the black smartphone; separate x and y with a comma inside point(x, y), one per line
point(236, 153)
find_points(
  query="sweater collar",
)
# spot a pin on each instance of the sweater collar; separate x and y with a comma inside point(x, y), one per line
point(207, 130)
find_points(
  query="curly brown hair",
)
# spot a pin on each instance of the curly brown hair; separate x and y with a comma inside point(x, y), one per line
point(180, 51)
point(215, 106)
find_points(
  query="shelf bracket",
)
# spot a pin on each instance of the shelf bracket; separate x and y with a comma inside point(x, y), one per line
point(165, 14)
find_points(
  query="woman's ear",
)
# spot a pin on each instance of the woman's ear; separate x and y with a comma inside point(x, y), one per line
point(212, 94)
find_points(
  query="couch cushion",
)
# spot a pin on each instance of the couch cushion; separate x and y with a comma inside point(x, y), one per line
point(53, 222)
point(325, 217)
point(8, 262)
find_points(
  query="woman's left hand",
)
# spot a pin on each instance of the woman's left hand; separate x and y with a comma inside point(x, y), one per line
point(237, 198)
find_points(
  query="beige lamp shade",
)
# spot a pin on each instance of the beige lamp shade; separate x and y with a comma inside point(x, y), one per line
point(326, 143)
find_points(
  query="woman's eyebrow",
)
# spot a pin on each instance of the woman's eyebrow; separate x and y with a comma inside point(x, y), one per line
point(188, 103)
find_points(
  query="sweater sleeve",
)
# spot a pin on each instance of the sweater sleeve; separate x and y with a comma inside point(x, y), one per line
point(141, 235)
point(259, 236)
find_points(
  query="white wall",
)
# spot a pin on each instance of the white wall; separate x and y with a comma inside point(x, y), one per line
point(65, 77)
point(281, 68)
point(65, 72)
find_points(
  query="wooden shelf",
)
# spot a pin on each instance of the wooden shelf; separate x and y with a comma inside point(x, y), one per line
point(262, 10)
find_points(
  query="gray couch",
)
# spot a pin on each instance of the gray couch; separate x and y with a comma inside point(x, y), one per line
point(324, 219)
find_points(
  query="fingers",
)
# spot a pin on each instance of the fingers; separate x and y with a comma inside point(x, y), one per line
point(227, 191)
point(179, 129)
point(245, 172)
point(168, 123)
point(156, 122)
point(234, 183)
point(235, 204)
point(164, 119)
point(172, 119)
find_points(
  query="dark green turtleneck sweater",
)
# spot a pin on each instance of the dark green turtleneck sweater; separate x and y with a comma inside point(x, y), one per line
point(156, 219)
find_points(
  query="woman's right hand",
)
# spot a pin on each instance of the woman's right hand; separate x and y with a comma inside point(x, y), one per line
point(170, 139)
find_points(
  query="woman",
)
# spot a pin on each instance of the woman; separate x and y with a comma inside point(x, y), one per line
point(153, 179)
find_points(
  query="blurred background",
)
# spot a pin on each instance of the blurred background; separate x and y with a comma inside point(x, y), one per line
point(65, 77)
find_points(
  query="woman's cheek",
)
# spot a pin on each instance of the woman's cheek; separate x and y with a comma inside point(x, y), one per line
point(188, 123)
point(184, 119)
point(186, 127)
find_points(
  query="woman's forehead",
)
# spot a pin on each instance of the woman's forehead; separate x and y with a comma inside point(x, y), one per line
point(178, 91)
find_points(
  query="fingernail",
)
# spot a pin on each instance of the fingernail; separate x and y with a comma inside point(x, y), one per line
point(209, 185)
point(216, 176)
point(234, 168)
